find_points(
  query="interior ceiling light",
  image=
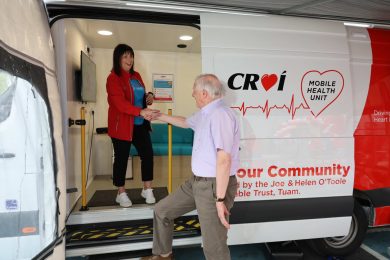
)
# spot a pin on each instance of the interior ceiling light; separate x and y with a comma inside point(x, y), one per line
point(364, 25)
point(104, 32)
point(185, 37)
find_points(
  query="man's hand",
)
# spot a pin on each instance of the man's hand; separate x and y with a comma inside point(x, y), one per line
point(222, 213)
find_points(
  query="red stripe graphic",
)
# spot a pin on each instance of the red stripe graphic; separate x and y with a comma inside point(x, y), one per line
point(372, 135)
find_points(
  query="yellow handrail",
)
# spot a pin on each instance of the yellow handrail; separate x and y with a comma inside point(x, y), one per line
point(169, 154)
point(83, 173)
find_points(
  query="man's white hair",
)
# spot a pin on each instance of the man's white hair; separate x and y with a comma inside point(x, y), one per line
point(211, 84)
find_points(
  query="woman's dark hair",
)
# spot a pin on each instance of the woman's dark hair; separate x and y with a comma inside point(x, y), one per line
point(119, 50)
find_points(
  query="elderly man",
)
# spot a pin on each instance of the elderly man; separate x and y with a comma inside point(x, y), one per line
point(212, 187)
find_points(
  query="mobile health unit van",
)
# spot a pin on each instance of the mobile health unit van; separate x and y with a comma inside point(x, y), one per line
point(312, 97)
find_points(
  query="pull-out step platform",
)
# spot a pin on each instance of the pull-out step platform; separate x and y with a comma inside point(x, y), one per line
point(94, 232)
point(125, 232)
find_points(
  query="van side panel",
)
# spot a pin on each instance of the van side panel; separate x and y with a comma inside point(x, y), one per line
point(382, 216)
point(372, 135)
point(289, 81)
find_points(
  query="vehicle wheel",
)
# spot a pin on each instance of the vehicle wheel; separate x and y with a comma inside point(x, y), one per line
point(344, 245)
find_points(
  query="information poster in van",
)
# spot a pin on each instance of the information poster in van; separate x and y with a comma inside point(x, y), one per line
point(163, 87)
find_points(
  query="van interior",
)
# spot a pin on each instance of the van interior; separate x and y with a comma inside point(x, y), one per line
point(158, 51)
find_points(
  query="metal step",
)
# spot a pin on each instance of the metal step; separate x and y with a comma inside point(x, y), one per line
point(126, 247)
point(99, 238)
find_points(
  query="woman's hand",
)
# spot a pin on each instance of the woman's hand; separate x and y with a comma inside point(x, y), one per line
point(149, 114)
point(149, 98)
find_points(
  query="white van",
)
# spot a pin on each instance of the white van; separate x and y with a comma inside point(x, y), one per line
point(312, 97)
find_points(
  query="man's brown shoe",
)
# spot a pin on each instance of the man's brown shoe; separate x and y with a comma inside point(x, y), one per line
point(157, 257)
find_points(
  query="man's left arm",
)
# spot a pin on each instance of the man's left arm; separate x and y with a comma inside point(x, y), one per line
point(223, 174)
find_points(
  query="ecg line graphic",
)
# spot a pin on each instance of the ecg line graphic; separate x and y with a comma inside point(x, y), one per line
point(267, 109)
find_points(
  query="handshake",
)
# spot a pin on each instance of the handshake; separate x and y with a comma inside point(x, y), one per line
point(150, 114)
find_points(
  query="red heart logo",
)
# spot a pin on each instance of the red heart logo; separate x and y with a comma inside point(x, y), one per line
point(268, 81)
point(320, 89)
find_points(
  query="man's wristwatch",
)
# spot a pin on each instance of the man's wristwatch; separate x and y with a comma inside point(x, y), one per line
point(220, 199)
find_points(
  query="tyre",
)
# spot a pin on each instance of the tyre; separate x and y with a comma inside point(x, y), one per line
point(344, 245)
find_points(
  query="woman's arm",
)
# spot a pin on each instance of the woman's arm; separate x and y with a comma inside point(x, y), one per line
point(116, 97)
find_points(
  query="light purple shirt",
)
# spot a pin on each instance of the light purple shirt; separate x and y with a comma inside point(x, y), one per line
point(215, 127)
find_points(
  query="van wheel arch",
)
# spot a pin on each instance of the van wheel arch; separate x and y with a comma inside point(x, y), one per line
point(345, 245)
